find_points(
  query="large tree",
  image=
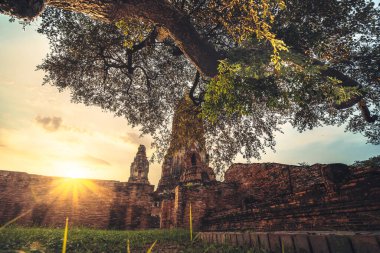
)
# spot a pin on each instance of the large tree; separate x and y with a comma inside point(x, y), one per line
point(250, 66)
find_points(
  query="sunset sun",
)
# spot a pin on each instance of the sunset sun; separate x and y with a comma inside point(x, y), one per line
point(72, 170)
point(75, 174)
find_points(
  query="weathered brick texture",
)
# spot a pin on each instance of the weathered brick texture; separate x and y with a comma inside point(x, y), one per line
point(46, 201)
point(319, 197)
point(283, 197)
point(298, 242)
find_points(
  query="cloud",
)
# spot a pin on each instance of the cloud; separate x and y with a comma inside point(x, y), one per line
point(50, 124)
point(134, 138)
point(2, 146)
point(95, 161)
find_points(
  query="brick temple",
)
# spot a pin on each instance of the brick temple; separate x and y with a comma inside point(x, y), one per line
point(258, 196)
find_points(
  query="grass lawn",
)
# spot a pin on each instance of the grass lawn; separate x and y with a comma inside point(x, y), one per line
point(16, 239)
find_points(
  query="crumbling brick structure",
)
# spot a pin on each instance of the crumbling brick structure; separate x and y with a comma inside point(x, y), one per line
point(277, 197)
point(47, 201)
point(186, 160)
point(260, 197)
point(185, 166)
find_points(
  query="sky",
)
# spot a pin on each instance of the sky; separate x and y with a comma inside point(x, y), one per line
point(42, 132)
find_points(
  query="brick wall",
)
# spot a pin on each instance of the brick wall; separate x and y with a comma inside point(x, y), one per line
point(46, 201)
point(276, 197)
point(203, 198)
point(311, 242)
point(262, 197)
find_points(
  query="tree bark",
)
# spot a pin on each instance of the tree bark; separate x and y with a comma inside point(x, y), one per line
point(203, 55)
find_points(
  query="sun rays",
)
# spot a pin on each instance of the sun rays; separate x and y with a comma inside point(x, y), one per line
point(64, 196)
point(76, 189)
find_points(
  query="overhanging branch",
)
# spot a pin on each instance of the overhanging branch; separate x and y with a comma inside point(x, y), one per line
point(356, 99)
point(199, 100)
point(365, 112)
point(159, 12)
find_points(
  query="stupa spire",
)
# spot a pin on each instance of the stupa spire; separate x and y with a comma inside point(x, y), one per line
point(187, 149)
point(139, 167)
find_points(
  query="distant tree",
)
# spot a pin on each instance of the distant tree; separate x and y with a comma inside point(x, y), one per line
point(371, 162)
point(250, 66)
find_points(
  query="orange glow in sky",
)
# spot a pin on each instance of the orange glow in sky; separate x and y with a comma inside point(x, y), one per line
point(73, 170)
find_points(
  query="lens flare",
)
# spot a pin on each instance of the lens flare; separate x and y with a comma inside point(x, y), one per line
point(73, 170)
point(67, 194)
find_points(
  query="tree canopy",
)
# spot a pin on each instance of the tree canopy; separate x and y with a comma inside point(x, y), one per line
point(250, 66)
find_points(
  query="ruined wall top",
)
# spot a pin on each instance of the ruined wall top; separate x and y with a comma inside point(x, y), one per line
point(46, 201)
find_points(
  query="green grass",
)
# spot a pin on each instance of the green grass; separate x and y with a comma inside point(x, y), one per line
point(91, 240)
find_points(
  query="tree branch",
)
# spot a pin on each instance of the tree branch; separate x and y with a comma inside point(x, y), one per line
point(202, 54)
point(129, 62)
point(196, 101)
point(160, 12)
point(365, 112)
point(357, 99)
point(148, 41)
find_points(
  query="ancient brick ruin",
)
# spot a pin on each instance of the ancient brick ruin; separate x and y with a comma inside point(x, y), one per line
point(259, 197)
point(277, 197)
point(139, 168)
point(46, 201)
point(186, 163)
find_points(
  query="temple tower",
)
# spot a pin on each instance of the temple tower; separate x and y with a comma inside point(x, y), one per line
point(139, 167)
point(185, 168)
point(186, 160)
